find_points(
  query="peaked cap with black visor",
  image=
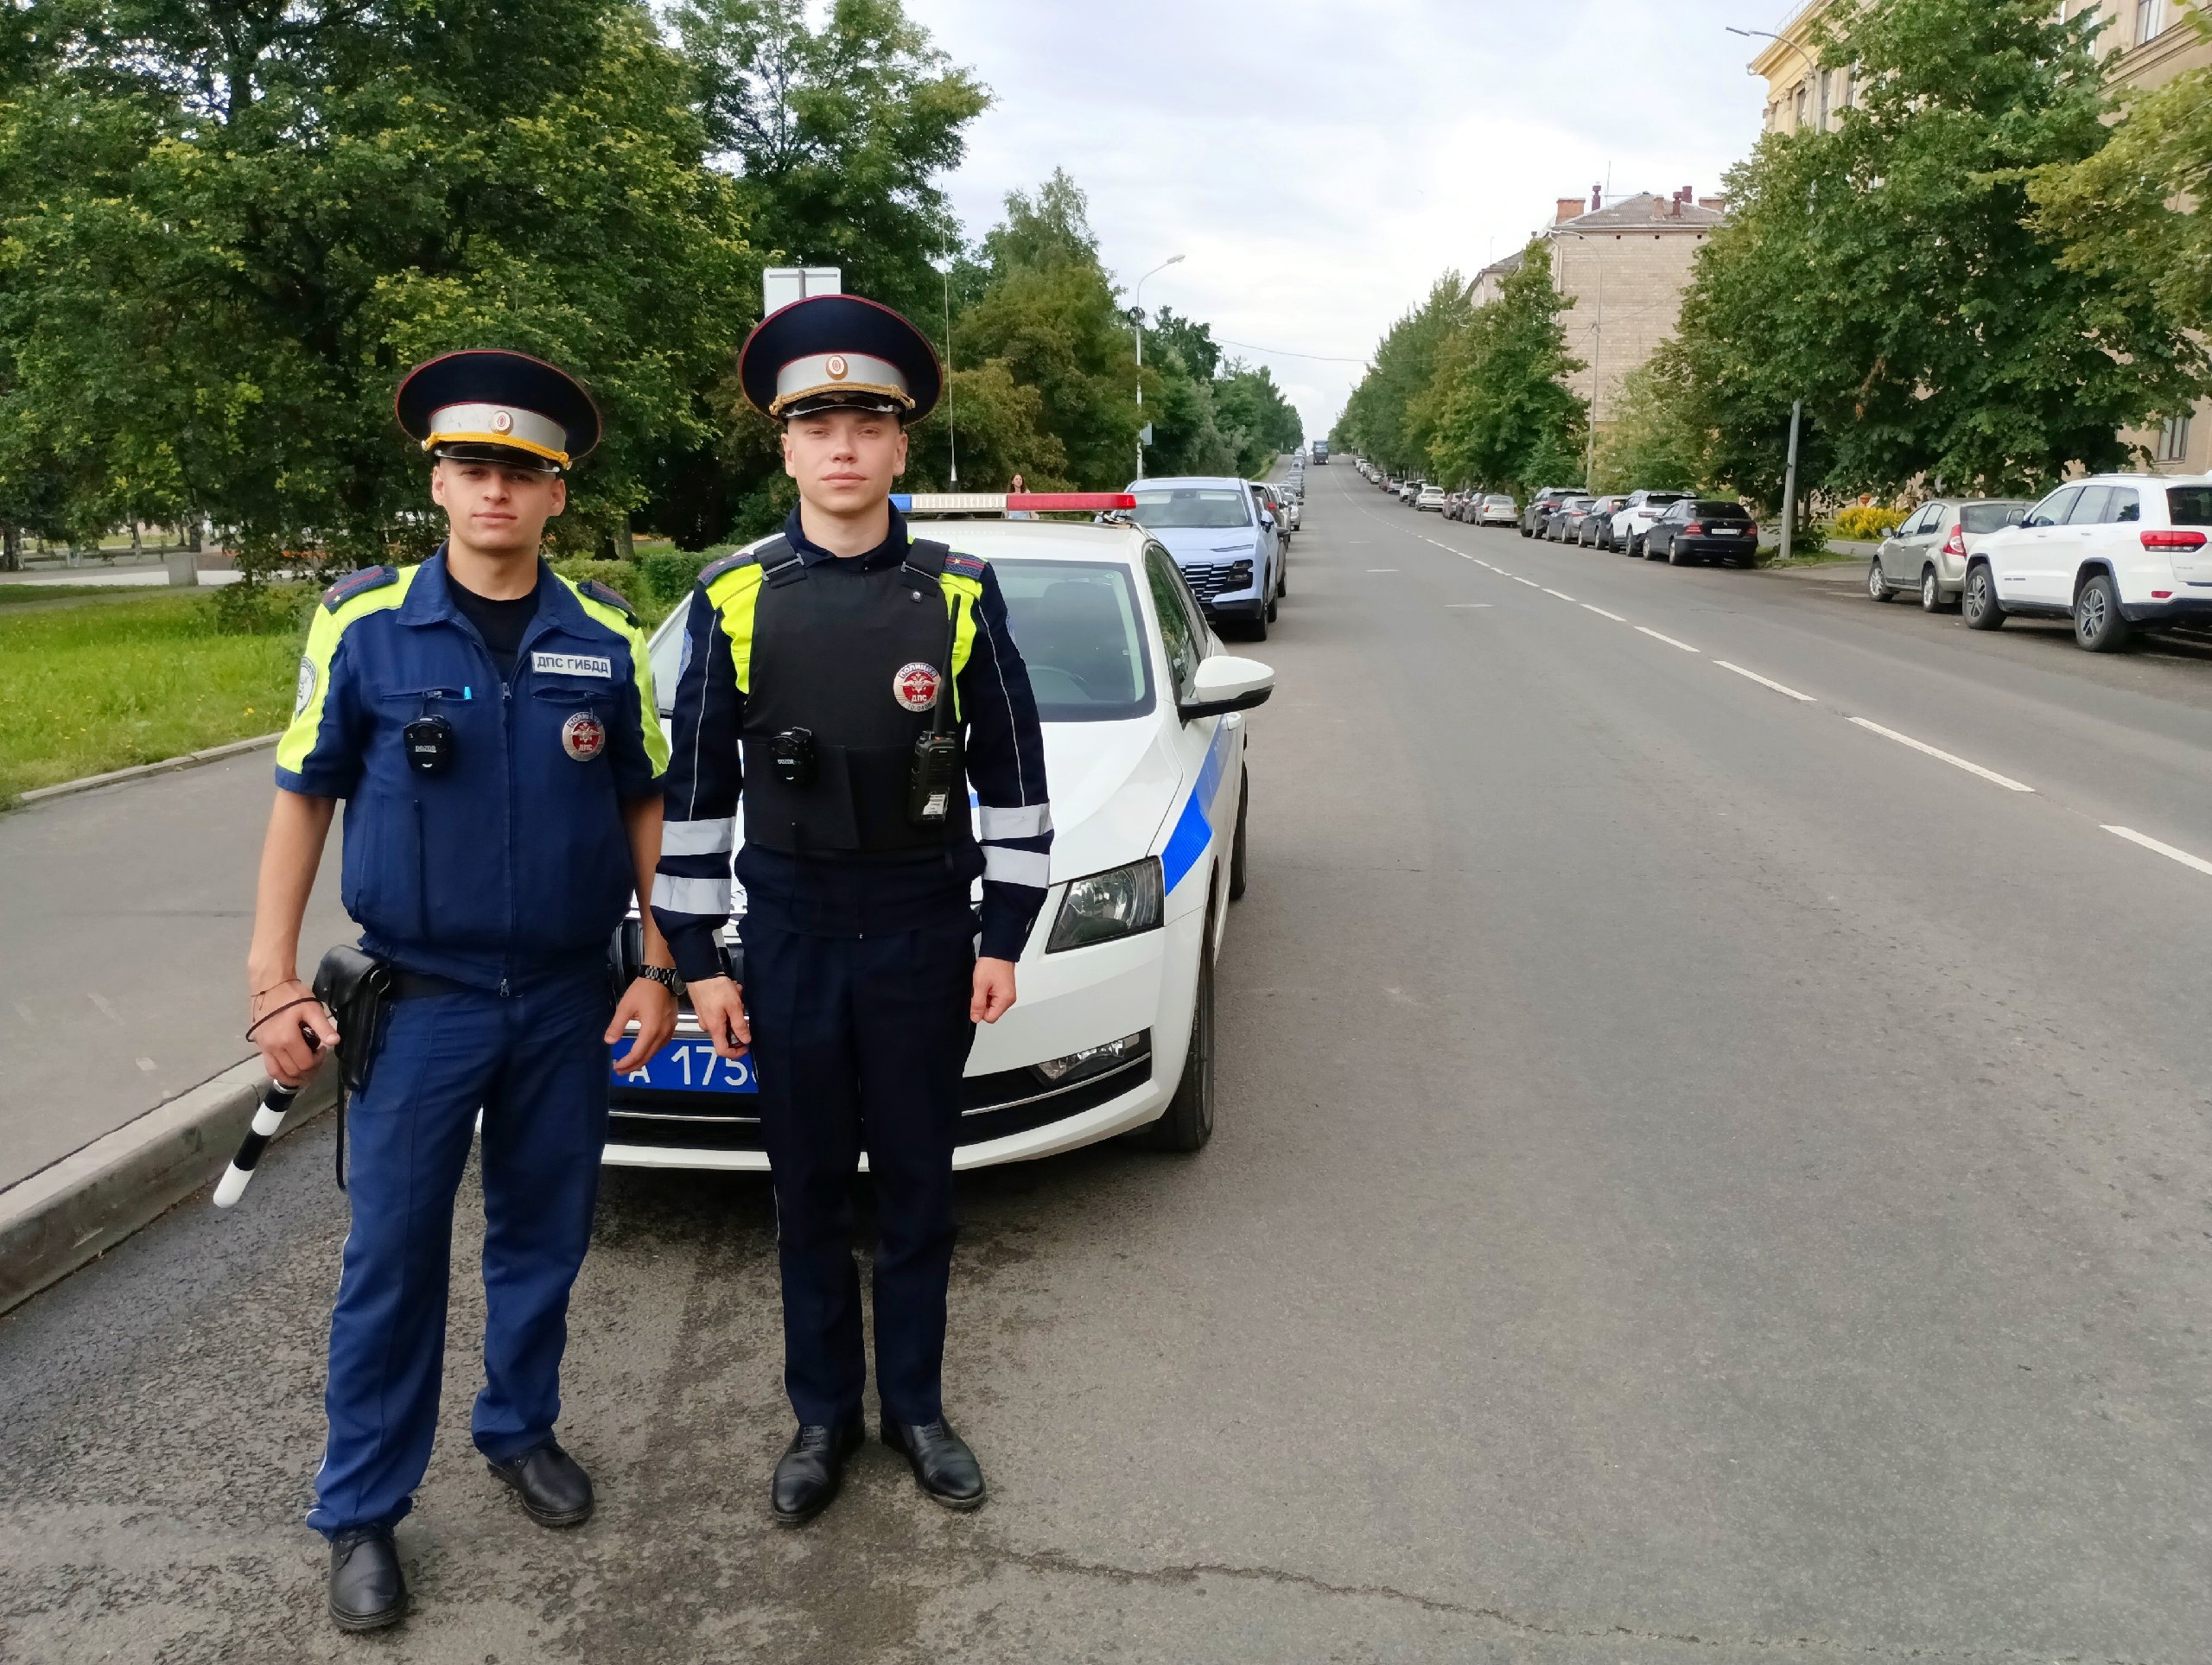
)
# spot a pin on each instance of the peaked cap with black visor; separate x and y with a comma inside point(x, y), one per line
point(486, 405)
point(839, 351)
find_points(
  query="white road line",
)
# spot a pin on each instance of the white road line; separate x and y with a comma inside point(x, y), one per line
point(2005, 781)
point(2167, 851)
point(1669, 640)
point(1531, 582)
point(1468, 604)
point(1763, 683)
point(1562, 594)
point(1602, 613)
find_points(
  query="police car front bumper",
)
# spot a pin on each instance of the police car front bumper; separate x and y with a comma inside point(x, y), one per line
point(1070, 1003)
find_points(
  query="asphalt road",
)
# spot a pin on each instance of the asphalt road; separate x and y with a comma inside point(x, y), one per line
point(1697, 1178)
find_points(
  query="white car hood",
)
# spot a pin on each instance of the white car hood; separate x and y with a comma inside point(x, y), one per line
point(1113, 784)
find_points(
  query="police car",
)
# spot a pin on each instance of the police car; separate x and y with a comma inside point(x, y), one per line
point(1143, 715)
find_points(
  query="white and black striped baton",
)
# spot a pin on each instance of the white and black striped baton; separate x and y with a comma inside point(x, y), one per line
point(268, 1116)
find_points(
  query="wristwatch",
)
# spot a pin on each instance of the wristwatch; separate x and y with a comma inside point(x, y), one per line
point(663, 974)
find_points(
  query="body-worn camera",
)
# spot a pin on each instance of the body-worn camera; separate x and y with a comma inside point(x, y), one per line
point(791, 754)
point(429, 743)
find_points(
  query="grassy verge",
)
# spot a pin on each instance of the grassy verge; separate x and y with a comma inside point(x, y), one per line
point(86, 690)
point(16, 595)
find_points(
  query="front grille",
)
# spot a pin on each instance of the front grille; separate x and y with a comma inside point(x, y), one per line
point(992, 1107)
point(1225, 578)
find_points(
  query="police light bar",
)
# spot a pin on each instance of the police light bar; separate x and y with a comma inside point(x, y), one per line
point(1011, 502)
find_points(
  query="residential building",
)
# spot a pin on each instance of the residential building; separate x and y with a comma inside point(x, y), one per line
point(2144, 43)
point(1625, 263)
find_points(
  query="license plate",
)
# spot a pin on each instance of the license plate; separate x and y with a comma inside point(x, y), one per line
point(687, 1066)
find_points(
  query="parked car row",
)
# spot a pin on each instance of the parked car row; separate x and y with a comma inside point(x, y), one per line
point(2109, 554)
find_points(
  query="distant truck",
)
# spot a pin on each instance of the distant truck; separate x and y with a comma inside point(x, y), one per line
point(1321, 452)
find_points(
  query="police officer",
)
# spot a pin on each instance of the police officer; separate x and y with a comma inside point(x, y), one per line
point(824, 672)
point(492, 729)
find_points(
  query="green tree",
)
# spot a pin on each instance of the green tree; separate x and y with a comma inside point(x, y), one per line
point(1657, 439)
point(839, 135)
point(1497, 412)
point(2132, 214)
point(1047, 313)
point(1259, 422)
point(1890, 275)
point(1378, 419)
point(227, 227)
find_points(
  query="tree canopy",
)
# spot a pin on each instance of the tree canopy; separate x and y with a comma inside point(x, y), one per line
point(1892, 273)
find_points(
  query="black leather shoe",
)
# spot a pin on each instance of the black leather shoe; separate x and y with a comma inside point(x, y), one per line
point(943, 1466)
point(811, 1470)
point(367, 1589)
point(553, 1486)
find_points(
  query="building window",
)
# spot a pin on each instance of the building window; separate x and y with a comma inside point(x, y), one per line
point(2150, 20)
point(2173, 440)
point(1828, 86)
point(1803, 94)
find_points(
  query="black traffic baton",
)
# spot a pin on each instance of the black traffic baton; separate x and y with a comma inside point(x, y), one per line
point(268, 1117)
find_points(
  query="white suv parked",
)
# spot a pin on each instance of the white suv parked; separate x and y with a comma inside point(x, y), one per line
point(2110, 552)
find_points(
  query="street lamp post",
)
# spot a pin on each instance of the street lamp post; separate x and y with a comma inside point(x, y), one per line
point(1171, 260)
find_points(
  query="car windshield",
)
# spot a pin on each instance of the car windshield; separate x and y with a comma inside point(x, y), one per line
point(1078, 627)
point(1216, 506)
point(1988, 516)
point(1721, 512)
point(2189, 506)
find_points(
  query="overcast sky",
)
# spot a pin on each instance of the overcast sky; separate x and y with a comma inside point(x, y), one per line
point(1319, 164)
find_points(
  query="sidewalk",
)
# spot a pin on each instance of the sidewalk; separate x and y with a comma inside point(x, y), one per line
point(121, 575)
point(126, 912)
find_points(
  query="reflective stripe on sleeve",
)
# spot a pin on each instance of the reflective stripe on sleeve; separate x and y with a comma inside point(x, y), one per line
point(1024, 820)
point(698, 837)
point(1030, 867)
point(706, 896)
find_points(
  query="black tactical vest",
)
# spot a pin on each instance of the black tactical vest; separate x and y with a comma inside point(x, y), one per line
point(833, 653)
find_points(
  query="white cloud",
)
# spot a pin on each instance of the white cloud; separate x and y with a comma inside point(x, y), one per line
point(1319, 164)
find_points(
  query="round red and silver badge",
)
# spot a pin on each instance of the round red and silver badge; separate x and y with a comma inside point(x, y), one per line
point(584, 737)
point(838, 367)
point(915, 686)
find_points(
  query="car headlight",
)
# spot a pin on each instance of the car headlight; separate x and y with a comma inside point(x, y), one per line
point(1119, 902)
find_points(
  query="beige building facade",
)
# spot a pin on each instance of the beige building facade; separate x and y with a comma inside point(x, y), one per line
point(1625, 265)
point(2144, 43)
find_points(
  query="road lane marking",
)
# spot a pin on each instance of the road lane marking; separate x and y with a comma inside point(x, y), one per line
point(2166, 850)
point(1562, 594)
point(2005, 781)
point(1531, 582)
point(1468, 604)
point(1765, 683)
point(1669, 640)
point(1602, 613)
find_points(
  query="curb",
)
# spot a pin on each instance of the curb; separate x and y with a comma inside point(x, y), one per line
point(139, 771)
point(79, 1207)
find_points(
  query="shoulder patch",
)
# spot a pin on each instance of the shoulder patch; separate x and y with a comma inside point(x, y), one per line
point(715, 570)
point(607, 598)
point(965, 566)
point(358, 583)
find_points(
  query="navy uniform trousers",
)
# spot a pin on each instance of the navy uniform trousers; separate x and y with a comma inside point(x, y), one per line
point(861, 1043)
point(535, 1062)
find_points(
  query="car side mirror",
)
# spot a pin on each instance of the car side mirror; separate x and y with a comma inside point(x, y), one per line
point(2014, 517)
point(1226, 684)
point(1267, 518)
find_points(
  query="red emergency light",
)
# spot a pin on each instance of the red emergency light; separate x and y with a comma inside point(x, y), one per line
point(1014, 502)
